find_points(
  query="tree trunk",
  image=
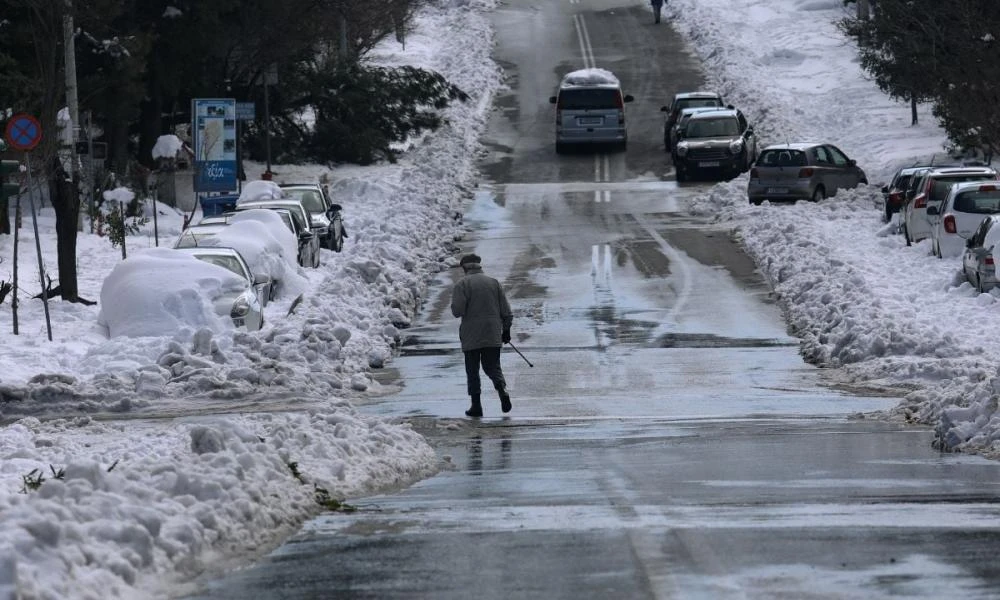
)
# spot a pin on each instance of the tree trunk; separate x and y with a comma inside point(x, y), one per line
point(4, 218)
point(67, 208)
point(913, 110)
point(151, 116)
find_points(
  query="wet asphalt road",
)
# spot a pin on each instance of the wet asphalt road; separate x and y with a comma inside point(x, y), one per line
point(669, 441)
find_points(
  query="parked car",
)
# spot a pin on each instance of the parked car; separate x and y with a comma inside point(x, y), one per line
point(682, 119)
point(246, 308)
point(932, 187)
point(979, 258)
point(682, 101)
point(894, 192)
point(157, 291)
point(965, 207)
point(802, 171)
point(308, 241)
point(590, 109)
point(194, 235)
point(718, 141)
point(326, 218)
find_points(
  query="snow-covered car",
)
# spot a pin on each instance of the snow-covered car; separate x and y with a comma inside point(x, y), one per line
point(260, 189)
point(802, 171)
point(263, 239)
point(981, 253)
point(718, 141)
point(681, 102)
point(159, 291)
point(932, 188)
point(243, 310)
point(961, 213)
point(326, 218)
point(308, 241)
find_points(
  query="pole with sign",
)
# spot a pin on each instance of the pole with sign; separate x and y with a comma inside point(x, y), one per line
point(23, 133)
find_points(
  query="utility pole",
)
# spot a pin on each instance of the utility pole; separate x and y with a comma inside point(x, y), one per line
point(72, 102)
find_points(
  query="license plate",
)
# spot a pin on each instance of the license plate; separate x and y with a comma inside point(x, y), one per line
point(777, 190)
point(709, 163)
point(591, 121)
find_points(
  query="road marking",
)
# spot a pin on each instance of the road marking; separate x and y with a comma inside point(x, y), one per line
point(586, 50)
point(602, 174)
point(600, 263)
point(677, 265)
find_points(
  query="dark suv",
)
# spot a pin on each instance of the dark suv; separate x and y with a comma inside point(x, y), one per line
point(718, 141)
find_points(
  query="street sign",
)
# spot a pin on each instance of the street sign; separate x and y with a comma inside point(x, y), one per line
point(23, 132)
point(214, 135)
point(246, 111)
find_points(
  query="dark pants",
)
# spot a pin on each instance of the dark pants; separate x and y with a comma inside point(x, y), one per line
point(490, 359)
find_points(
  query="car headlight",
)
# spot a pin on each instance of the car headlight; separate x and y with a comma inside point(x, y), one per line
point(682, 149)
point(240, 308)
point(736, 146)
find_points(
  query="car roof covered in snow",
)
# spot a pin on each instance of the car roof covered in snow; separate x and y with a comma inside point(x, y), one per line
point(594, 77)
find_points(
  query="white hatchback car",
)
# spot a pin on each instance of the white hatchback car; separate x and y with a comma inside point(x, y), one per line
point(963, 210)
point(933, 187)
point(979, 260)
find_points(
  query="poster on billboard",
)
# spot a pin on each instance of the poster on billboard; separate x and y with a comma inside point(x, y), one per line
point(214, 136)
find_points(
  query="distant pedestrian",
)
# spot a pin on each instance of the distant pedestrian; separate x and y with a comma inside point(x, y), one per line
point(657, 8)
point(480, 302)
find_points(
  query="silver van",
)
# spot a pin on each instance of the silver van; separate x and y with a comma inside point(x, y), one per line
point(590, 109)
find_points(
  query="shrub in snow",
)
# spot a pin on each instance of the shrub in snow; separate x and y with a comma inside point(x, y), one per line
point(362, 111)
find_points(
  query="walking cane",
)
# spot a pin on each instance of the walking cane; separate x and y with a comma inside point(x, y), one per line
point(519, 352)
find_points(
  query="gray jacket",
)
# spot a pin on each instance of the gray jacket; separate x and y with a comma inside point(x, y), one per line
point(482, 305)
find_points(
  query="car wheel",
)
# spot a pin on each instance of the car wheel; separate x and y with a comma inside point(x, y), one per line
point(756, 201)
point(979, 285)
point(906, 233)
point(681, 176)
point(819, 194)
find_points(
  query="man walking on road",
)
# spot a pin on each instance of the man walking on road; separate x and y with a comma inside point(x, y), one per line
point(480, 302)
point(657, 8)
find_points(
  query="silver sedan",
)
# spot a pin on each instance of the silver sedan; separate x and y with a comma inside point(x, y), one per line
point(802, 171)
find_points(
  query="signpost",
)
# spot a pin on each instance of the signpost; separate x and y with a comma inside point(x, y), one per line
point(23, 132)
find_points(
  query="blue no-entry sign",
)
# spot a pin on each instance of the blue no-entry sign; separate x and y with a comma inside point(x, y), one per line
point(23, 132)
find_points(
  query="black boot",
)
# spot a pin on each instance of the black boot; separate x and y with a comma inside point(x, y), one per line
point(476, 410)
point(504, 400)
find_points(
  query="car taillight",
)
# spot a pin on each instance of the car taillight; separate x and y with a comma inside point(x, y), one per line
point(949, 224)
point(805, 173)
point(920, 201)
point(621, 117)
point(619, 101)
point(754, 174)
point(895, 197)
point(558, 116)
point(988, 260)
point(987, 188)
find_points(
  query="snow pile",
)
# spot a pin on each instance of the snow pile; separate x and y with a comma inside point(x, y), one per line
point(858, 297)
point(260, 190)
point(167, 146)
point(122, 195)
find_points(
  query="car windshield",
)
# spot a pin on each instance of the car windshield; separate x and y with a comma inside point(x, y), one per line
point(589, 98)
point(984, 202)
point(709, 128)
point(782, 158)
point(941, 186)
point(229, 263)
point(697, 103)
point(309, 198)
point(902, 182)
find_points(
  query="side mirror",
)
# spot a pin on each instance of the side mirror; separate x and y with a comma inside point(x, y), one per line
point(885, 189)
point(305, 236)
point(664, 109)
point(336, 207)
point(628, 98)
point(852, 163)
point(552, 99)
point(932, 211)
